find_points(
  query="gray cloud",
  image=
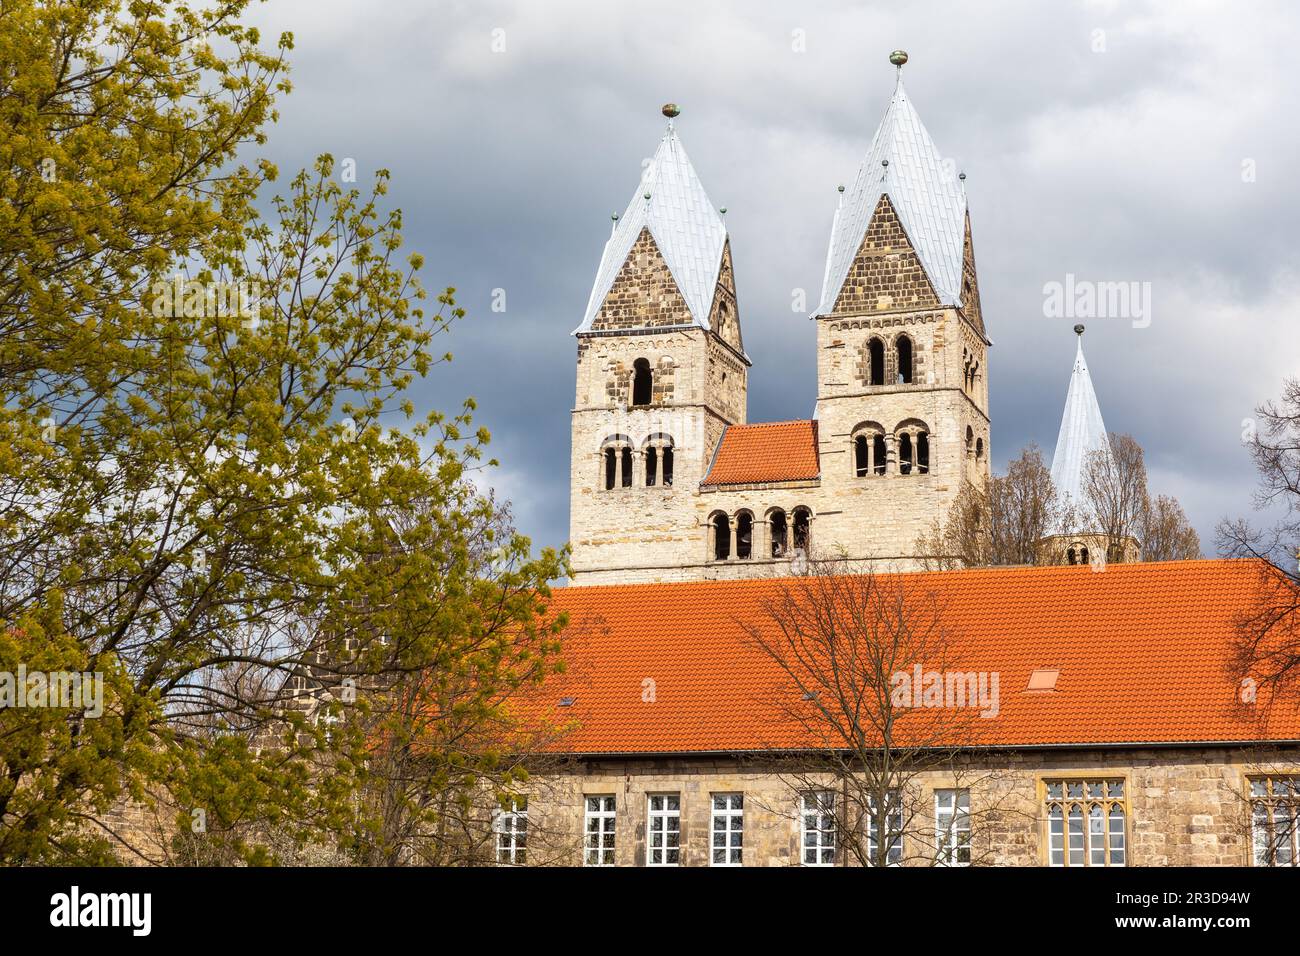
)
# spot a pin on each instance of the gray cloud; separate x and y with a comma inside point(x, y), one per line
point(1117, 165)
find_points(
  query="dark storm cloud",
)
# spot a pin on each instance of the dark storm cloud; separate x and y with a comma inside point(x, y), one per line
point(1113, 155)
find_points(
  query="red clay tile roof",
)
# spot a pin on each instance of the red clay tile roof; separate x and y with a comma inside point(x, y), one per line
point(1143, 652)
point(769, 451)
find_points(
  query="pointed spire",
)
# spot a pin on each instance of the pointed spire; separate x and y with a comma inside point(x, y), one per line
point(669, 202)
point(1082, 431)
point(904, 164)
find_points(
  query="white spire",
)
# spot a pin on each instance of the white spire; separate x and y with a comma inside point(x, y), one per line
point(930, 200)
point(1082, 432)
point(685, 226)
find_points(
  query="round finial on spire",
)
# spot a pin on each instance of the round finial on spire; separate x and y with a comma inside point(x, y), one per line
point(645, 196)
point(614, 217)
point(671, 110)
point(1078, 330)
point(840, 187)
point(884, 162)
point(961, 176)
point(723, 210)
point(898, 58)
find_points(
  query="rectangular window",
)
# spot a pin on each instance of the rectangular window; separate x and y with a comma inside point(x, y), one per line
point(512, 833)
point(1086, 822)
point(818, 812)
point(952, 827)
point(665, 829)
point(893, 829)
point(1275, 820)
point(728, 831)
point(599, 831)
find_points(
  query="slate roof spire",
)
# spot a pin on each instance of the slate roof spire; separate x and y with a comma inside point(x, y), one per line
point(1082, 431)
point(904, 164)
point(671, 203)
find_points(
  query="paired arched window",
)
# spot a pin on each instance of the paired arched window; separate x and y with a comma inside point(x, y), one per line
point(642, 382)
point(912, 438)
point(659, 460)
point(616, 462)
point(1077, 554)
point(903, 360)
point(869, 454)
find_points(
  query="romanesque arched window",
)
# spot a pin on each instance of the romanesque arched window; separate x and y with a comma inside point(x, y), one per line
point(875, 362)
point(861, 456)
point(868, 449)
point(720, 537)
point(923, 453)
point(744, 535)
point(903, 355)
point(879, 454)
point(904, 454)
point(658, 451)
point(616, 462)
point(777, 523)
point(802, 529)
point(642, 382)
point(611, 468)
point(979, 449)
point(970, 441)
point(651, 466)
point(912, 438)
point(667, 466)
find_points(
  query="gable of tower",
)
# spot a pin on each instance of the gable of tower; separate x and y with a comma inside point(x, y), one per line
point(886, 274)
point(724, 317)
point(970, 287)
point(644, 294)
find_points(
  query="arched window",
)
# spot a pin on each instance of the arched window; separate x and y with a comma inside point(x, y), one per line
point(642, 382)
point(627, 467)
point(668, 466)
point(744, 535)
point(611, 468)
point(904, 454)
point(979, 449)
point(970, 441)
point(778, 525)
point(903, 352)
point(861, 461)
point(1072, 556)
point(721, 537)
point(879, 456)
point(802, 529)
point(651, 465)
point(1083, 555)
point(922, 453)
point(876, 362)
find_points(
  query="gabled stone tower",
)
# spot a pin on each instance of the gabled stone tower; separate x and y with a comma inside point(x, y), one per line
point(661, 372)
point(902, 394)
point(668, 480)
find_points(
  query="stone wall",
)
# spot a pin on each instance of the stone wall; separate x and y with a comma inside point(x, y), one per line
point(1184, 806)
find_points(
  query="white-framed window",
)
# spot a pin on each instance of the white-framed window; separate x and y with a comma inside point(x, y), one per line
point(665, 829)
point(1086, 822)
point(727, 836)
point(1275, 820)
point(893, 829)
point(512, 832)
point(817, 812)
point(598, 831)
point(952, 827)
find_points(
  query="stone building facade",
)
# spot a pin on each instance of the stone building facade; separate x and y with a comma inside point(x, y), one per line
point(902, 393)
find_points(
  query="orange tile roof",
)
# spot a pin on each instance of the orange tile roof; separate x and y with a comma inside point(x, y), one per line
point(1143, 653)
point(769, 451)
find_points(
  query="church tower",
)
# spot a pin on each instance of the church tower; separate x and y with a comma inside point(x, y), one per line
point(661, 372)
point(902, 388)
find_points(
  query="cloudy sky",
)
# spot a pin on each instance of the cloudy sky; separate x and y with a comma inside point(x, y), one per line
point(1143, 142)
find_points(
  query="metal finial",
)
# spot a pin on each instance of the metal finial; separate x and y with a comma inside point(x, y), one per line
point(645, 196)
point(961, 176)
point(614, 217)
point(671, 110)
point(884, 162)
point(840, 187)
point(1078, 330)
point(723, 210)
point(898, 58)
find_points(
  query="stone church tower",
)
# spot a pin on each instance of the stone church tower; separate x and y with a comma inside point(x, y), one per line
point(669, 482)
